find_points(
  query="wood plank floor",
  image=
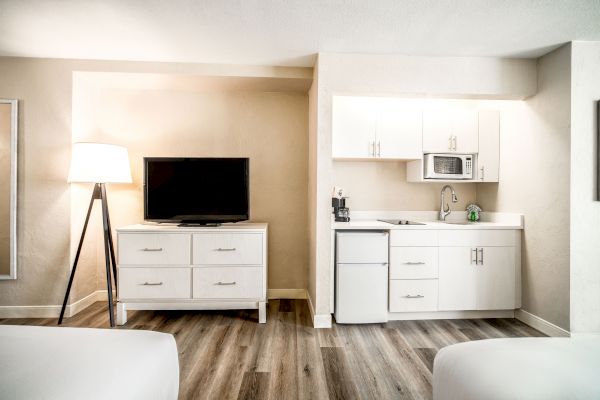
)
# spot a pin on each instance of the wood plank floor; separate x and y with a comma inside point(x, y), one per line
point(228, 355)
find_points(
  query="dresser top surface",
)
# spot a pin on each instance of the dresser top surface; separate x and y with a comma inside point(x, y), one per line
point(174, 228)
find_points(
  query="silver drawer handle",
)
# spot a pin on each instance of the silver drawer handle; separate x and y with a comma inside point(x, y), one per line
point(152, 249)
point(419, 296)
point(225, 283)
point(151, 284)
point(414, 263)
point(226, 249)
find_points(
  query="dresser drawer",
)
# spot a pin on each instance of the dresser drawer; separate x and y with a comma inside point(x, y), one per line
point(154, 283)
point(413, 295)
point(413, 237)
point(154, 249)
point(413, 262)
point(228, 249)
point(228, 282)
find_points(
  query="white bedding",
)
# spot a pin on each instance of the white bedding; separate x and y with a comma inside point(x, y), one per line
point(79, 363)
point(519, 368)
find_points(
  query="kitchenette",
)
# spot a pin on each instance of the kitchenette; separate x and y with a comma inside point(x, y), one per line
point(455, 262)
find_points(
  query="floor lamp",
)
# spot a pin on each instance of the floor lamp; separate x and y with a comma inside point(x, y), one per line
point(99, 164)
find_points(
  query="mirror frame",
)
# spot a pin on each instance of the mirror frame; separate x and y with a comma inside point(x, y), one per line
point(14, 117)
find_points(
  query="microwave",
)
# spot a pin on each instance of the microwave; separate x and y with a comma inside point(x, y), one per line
point(448, 166)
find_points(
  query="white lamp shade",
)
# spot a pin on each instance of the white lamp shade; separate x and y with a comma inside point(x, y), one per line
point(99, 163)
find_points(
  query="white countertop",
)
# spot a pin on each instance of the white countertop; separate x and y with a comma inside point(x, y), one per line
point(369, 220)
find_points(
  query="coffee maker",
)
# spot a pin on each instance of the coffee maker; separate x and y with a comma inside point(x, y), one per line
point(338, 202)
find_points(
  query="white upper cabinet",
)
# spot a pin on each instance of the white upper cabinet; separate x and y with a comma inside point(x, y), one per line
point(488, 159)
point(450, 130)
point(375, 128)
point(354, 122)
point(399, 130)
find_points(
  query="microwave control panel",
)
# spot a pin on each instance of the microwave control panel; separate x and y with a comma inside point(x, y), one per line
point(468, 165)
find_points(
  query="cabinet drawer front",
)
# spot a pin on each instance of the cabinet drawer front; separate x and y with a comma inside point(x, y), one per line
point(413, 262)
point(228, 283)
point(413, 295)
point(413, 237)
point(154, 249)
point(154, 283)
point(475, 238)
point(228, 248)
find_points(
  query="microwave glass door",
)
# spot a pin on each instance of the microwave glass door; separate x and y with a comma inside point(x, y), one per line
point(448, 165)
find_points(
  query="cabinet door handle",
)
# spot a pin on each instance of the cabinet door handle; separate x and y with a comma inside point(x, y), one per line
point(482, 169)
point(152, 249)
point(225, 283)
point(378, 149)
point(450, 143)
point(151, 284)
point(480, 256)
point(414, 263)
point(372, 148)
point(417, 296)
point(455, 145)
point(475, 260)
point(226, 249)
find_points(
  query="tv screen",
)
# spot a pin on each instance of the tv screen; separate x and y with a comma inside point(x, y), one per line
point(196, 190)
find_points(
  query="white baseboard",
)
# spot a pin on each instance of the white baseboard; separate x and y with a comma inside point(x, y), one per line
point(52, 311)
point(286, 293)
point(541, 324)
point(319, 320)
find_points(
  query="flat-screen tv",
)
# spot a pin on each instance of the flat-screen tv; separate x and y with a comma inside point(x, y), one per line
point(196, 190)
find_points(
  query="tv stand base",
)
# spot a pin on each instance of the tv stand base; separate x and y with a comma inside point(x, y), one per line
point(193, 224)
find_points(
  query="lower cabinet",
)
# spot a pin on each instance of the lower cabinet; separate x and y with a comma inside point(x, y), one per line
point(454, 270)
point(477, 278)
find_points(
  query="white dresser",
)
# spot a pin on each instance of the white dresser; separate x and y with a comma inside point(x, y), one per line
point(192, 268)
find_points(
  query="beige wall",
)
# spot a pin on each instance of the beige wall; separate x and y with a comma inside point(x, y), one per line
point(198, 120)
point(534, 180)
point(373, 185)
point(313, 110)
point(43, 226)
point(47, 236)
point(585, 207)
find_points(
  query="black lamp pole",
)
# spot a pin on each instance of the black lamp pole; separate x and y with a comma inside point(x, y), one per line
point(99, 193)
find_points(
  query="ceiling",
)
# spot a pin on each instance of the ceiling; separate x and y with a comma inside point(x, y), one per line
point(289, 32)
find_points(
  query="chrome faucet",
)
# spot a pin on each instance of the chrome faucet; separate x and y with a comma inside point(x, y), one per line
point(444, 211)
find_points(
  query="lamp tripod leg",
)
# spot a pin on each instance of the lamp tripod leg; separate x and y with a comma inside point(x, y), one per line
point(112, 250)
point(95, 195)
point(107, 254)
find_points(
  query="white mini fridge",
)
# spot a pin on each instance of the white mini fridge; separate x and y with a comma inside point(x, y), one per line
point(361, 277)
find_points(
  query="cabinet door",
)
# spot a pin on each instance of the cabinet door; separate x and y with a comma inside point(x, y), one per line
point(488, 159)
point(465, 131)
point(437, 130)
point(354, 120)
point(399, 131)
point(496, 278)
point(457, 279)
